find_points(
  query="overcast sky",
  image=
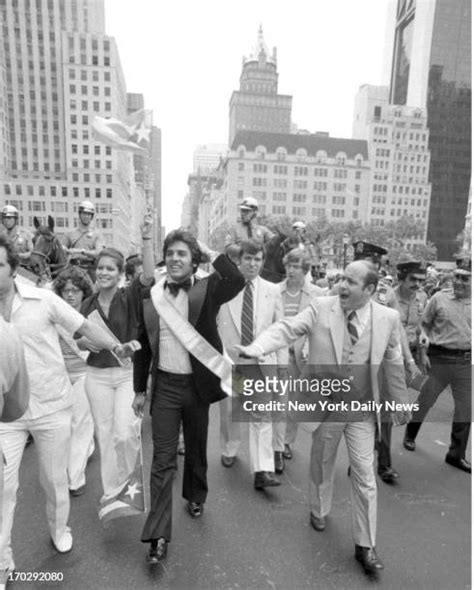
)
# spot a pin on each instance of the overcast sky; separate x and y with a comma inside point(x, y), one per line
point(186, 58)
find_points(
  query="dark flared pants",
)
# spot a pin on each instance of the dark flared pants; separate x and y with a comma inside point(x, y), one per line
point(174, 401)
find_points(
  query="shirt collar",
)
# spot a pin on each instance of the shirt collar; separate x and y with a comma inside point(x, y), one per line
point(361, 313)
point(26, 291)
point(170, 280)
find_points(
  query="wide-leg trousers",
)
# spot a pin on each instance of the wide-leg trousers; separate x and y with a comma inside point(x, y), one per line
point(82, 433)
point(51, 434)
point(174, 401)
point(360, 438)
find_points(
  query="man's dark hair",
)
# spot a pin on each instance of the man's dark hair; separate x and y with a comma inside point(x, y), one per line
point(252, 247)
point(184, 235)
point(78, 277)
point(372, 276)
point(131, 265)
point(12, 257)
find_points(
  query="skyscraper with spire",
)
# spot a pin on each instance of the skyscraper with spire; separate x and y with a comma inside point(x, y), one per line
point(257, 106)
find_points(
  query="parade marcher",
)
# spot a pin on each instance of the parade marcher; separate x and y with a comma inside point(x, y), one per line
point(296, 294)
point(298, 229)
point(350, 329)
point(255, 308)
point(133, 268)
point(74, 285)
point(35, 313)
point(14, 383)
point(84, 243)
point(21, 238)
point(385, 295)
point(109, 382)
point(182, 386)
point(447, 322)
point(247, 227)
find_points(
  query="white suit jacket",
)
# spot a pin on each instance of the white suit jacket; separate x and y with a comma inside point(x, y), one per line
point(268, 310)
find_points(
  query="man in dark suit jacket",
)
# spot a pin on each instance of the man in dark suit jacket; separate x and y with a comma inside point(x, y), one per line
point(182, 386)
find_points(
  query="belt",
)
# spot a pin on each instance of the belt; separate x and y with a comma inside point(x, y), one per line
point(175, 377)
point(452, 352)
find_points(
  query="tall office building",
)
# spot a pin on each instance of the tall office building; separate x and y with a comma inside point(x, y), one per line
point(257, 106)
point(431, 68)
point(397, 138)
point(58, 69)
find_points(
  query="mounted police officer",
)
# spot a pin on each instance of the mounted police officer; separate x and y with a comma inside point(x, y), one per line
point(247, 227)
point(21, 238)
point(84, 243)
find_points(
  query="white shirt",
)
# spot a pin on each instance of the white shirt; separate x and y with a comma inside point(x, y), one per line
point(35, 313)
point(173, 357)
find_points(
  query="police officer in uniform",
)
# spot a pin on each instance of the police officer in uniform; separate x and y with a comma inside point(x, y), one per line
point(247, 227)
point(84, 243)
point(21, 238)
point(447, 321)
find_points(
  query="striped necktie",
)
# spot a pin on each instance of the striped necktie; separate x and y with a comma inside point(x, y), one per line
point(351, 327)
point(246, 326)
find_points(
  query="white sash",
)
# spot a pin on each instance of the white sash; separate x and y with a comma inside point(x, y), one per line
point(190, 338)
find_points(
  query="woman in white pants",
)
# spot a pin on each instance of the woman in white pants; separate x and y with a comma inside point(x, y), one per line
point(109, 382)
point(74, 285)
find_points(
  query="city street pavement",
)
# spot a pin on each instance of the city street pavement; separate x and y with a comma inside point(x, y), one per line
point(257, 540)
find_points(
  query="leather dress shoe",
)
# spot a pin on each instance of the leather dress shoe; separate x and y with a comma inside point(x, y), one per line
point(227, 461)
point(78, 491)
point(279, 462)
point(409, 443)
point(265, 479)
point(387, 474)
point(158, 551)
point(369, 559)
point(461, 464)
point(318, 524)
point(287, 453)
point(195, 509)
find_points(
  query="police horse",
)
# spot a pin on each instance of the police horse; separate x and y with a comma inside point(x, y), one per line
point(48, 257)
point(275, 249)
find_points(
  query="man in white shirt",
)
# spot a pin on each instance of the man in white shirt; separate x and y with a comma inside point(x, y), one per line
point(34, 313)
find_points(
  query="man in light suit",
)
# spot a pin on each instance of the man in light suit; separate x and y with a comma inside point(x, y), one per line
point(352, 335)
point(266, 309)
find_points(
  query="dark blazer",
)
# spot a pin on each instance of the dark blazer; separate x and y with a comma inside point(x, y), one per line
point(205, 298)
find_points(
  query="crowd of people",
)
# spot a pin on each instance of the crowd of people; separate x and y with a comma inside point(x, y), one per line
point(82, 359)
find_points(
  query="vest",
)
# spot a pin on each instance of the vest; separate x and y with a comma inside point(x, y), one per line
point(356, 361)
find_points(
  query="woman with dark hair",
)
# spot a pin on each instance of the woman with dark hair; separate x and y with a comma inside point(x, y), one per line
point(73, 285)
point(109, 384)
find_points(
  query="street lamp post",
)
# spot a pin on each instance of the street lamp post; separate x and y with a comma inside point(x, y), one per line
point(345, 243)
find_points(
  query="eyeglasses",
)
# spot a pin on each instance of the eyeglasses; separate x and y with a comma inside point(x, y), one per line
point(72, 291)
point(463, 278)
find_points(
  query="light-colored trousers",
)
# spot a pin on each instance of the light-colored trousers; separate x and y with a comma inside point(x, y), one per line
point(82, 433)
point(360, 439)
point(52, 435)
point(261, 437)
point(110, 393)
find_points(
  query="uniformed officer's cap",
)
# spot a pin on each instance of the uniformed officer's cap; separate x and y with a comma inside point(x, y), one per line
point(249, 204)
point(365, 250)
point(463, 265)
point(299, 225)
point(415, 267)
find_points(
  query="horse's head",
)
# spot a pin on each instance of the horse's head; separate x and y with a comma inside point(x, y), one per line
point(48, 257)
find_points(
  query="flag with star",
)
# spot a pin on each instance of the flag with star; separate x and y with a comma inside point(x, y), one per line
point(132, 134)
point(130, 500)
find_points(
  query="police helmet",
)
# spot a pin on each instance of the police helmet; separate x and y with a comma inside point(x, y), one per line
point(86, 207)
point(249, 204)
point(10, 211)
